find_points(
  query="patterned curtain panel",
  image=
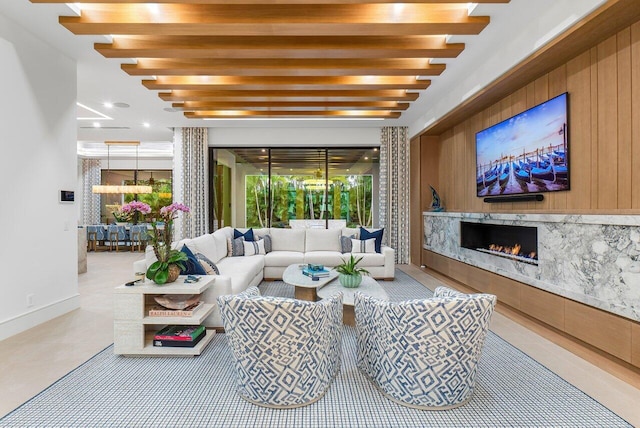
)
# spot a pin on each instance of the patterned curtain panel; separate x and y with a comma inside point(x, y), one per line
point(90, 201)
point(394, 190)
point(193, 174)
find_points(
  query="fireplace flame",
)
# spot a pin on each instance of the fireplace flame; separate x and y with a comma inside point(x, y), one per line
point(512, 251)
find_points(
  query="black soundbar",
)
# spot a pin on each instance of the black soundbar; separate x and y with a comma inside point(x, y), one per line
point(515, 198)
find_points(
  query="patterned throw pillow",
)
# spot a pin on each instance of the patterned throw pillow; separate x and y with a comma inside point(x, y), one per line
point(267, 243)
point(377, 234)
point(363, 246)
point(345, 244)
point(209, 266)
point(254, 247)
point(248, 235)
point(192, 265)
point(235, 247)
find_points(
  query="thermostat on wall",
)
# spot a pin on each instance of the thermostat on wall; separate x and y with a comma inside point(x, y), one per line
point(67, 196)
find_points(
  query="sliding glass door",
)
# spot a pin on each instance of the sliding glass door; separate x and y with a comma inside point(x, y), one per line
point(292, 187)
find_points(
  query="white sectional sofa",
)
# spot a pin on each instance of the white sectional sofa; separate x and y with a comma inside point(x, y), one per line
point(288, 246)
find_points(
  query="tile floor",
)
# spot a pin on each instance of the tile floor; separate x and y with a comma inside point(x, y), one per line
point(33, 360)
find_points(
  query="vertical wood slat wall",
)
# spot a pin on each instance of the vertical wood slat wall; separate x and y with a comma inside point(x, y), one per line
point(604, 134)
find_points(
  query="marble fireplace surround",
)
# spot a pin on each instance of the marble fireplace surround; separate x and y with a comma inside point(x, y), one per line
point(593, 259)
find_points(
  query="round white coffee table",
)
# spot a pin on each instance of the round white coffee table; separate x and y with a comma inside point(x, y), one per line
point(305, 287)
point(368, 286)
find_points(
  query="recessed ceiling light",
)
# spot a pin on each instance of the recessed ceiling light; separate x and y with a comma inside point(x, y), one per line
point(146, 124)
point(96, 124)
point(121, 105)
point(108, 105)
point(375, 149)
point(366, 158)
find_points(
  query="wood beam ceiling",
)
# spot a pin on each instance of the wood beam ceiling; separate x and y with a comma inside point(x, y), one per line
point(281, 58)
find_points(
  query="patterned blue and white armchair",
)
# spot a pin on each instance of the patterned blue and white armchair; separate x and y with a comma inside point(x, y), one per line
point(423, 353)
point(286, 351)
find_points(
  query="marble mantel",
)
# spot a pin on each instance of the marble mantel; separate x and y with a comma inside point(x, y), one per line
point(593, 259)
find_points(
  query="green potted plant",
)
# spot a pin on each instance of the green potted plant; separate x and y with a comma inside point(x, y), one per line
point(350, 275)
point(169, 263)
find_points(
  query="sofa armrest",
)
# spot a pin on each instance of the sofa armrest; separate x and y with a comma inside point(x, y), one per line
point(389, 261)
point(139, 266)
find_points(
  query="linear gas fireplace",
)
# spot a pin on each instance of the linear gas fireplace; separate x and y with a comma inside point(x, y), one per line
point(513, 242)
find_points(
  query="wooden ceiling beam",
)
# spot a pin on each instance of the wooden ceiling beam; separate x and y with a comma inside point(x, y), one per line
point(286, 83)
point(272, 47)
point(283, 67)
point(277, 19)
point(243, 114)
point(290, 105)
point(280, 95)
point(264, 30)
point(270, 2)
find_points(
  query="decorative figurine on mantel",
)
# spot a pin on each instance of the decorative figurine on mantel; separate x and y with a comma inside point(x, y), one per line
point(436, 205)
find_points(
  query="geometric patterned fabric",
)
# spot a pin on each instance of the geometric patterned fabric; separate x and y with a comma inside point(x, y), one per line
point(423, 353)
point(90, 200)
point(193, 147)
point(286, 351)
point(394, 190)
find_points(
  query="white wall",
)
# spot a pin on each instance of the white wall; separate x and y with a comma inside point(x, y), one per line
point(38, 255)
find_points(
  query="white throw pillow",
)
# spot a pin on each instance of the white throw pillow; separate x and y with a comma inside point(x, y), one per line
point(366, 246)
point(254, 247)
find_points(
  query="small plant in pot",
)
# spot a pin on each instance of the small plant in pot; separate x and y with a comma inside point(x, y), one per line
point(350, 275)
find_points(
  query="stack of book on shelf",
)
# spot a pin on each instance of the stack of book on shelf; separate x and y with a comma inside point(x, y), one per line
point(315, 271)
point(161, 311)
point(185, 336)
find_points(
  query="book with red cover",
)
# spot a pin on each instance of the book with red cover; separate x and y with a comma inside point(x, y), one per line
point(184, 333)
point(180, 343)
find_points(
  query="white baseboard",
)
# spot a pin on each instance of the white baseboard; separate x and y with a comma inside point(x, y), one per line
point(38, 316)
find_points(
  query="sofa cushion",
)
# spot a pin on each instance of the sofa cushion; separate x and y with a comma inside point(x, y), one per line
point(283, 258)
point(205, 244)
point(345, 244)
point(235, 247)
point(363, 246)
point(246, 234)
point(327, 258)
point(352, 232)
point(287, 239)
point(220, 238)
point(241, 270)
point(322, 240)
point(208, 266)
point(377, 234)
point(191, 266)
point(252, 248)
point(371, 260)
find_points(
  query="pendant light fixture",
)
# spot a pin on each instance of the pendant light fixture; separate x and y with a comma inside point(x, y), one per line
point(116, 189)
point(318, 182)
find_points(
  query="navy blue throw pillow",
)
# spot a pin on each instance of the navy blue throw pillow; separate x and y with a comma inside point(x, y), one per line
point(192, 265)
point(248, 235)
point(365, 234)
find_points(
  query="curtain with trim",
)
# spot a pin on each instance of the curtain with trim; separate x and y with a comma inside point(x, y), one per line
point(90, 201)
point(394, 190)
point(192, 144)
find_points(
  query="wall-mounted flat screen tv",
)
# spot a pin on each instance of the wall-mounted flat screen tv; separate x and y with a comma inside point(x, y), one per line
point(527, 153)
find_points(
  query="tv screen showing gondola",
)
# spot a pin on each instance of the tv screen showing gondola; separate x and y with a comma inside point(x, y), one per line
point(527, 153)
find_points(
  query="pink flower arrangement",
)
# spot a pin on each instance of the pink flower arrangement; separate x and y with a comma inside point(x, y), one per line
point(161, 242)
point(170, 212)
point(135, 206)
